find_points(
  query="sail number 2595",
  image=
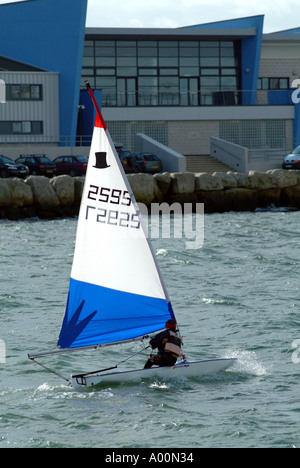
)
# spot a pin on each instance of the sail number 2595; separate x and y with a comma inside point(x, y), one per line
point(112, 217)
point(107, 195)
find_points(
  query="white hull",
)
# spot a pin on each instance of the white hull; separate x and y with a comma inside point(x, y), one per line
point(182, 369)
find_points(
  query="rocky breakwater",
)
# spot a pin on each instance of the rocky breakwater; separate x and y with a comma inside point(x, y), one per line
point(41, 197)
point(220, 192)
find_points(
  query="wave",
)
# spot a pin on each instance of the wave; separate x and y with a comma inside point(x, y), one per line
point(247, 363)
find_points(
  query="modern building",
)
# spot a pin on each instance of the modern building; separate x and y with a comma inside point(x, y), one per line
point(41, 48)
point(182, 86)
point(179, 86)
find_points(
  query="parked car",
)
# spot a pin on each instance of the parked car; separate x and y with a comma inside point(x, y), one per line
point(128, 160)
point(9, 168)
point(292, 160)
point(148, 162)
point(72, 165)
point(38, 165)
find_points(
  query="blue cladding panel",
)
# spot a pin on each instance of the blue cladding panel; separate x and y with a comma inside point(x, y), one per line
point(97, 315)
point(48, 34)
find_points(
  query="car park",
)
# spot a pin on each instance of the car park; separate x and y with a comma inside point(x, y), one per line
point(38, 165)
point(9, 168)
point(148, 162)
point(72, 165)
point(292, 160)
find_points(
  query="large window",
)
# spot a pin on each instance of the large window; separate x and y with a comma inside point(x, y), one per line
point(163, 73)
point(24, 92)
point(21, 128)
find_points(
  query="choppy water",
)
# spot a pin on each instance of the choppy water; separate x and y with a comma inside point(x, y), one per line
point(236, 296)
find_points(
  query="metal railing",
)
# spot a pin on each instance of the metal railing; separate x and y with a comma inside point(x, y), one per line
point(203, 97)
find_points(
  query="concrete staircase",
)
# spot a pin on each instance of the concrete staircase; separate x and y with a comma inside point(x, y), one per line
point(205, 164)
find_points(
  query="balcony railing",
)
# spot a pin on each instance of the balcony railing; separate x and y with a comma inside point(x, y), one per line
point(204, 97)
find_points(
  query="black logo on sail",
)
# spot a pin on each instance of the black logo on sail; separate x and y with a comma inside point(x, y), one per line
point(101, 162)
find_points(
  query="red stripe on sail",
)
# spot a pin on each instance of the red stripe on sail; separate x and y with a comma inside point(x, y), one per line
point(100, 122)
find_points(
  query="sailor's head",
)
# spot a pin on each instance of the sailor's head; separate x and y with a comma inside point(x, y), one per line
point(171, 324)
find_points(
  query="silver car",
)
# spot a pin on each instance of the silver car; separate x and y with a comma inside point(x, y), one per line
point(292, 160)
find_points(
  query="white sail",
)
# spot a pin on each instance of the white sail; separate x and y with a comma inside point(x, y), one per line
point(116, 290)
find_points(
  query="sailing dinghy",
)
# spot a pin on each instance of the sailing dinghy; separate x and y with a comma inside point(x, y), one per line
point(116, 292)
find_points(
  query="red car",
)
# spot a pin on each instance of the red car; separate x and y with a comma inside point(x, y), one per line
point(72, 165)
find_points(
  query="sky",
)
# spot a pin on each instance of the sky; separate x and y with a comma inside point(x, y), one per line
point(279, 14)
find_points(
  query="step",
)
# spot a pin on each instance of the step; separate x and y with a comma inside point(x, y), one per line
point(205, 164)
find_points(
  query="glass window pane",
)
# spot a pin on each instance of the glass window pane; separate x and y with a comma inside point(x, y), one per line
point(35, 91)
point(227, 52)
point(228, 71)
point(209, 52)
point(189, 61)
point(15, 91)
point(37, 128)
point(88, 72)
point(169, 81)
point(147, 51)
point(105, 61)
point(210, 62)
point(88, 52)
point(17, 127)
point(189, 71)
point(189, 52)
point(274, 83)
point(264, 83)
point(148, 81)
point(25, 92)
point(229, 82)
point(126, 51)
point(126, 61)
point(168, 71)
point(106, 71)
point(26, 127)
point(127, 71)
point(210, 71)
point(106, 82)
point(105, 52)
point(228, 62)
point(284, 83)
point(147, 62)
point(147, 71)
point(5, 128)
point(168, 62)
point(88, 61)
point(168, 52)
point(210, 82)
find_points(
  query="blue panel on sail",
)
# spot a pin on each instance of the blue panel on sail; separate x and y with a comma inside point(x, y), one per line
point(97, 315)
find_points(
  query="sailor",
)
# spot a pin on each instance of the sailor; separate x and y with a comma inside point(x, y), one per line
point(169, 347)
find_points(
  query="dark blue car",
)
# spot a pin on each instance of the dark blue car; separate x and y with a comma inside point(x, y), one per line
point(9, 168)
